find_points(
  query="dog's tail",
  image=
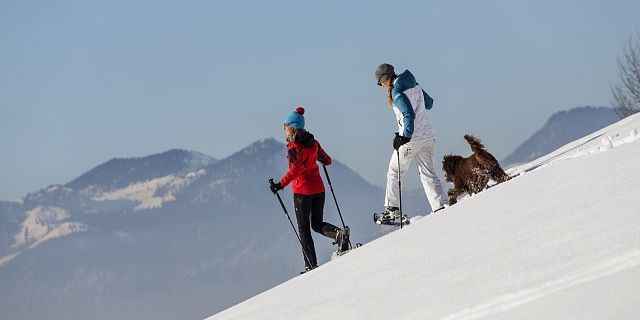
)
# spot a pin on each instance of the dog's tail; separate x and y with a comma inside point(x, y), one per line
point(474, 142)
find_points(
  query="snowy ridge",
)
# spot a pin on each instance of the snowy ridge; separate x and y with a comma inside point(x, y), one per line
point(4, 260)
point(46, 223)
point(119, 173)
point(561, 128)
point(17, 200)
point(560, 241)
point(615, 135)
point(153, 193)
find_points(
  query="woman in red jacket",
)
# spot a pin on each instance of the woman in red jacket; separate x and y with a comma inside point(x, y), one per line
point(308, 189)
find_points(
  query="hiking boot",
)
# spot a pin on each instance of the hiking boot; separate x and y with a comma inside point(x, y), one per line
point(308, 268)
point(389, 214)
point(342, 239)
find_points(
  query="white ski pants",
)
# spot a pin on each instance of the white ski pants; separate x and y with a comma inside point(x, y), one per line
point(422, 151)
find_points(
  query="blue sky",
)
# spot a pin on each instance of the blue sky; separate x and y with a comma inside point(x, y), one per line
point(82, 82)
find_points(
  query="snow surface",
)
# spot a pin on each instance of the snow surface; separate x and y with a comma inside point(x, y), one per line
point(17, 200)
point(559, 241)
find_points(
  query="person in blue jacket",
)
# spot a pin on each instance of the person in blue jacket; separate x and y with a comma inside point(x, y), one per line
point(415, 139)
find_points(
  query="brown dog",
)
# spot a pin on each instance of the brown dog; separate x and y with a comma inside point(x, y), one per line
point(471, 174)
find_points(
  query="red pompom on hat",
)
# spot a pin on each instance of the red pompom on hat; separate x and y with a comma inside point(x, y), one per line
point(300, 110)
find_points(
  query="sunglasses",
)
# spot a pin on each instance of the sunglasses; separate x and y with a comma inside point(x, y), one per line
point(385, 76)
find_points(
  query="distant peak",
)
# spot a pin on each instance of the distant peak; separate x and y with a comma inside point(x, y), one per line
point(266, 143)
point(562, 114)
point(119, 172)
point(561, 128)
point(260, 147)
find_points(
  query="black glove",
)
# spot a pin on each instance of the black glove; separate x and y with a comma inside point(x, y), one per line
point(275, 187)
point(399, 140)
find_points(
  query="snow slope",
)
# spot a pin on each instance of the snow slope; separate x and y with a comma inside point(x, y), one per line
point(152, 193)
point(560, 241)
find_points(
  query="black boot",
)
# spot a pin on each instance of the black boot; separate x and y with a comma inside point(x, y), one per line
point(342, 240)
point(308, 268)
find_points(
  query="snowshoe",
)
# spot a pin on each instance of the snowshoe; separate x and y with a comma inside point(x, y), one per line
point(337, 254)
point(436, 210)
point(307, 269)
point(342, 240)
point(390, 220)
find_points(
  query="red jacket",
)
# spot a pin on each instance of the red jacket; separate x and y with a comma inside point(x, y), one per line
point(303, 170)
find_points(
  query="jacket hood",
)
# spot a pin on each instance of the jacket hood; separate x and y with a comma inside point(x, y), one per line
point(405, 81)
point(305, 138)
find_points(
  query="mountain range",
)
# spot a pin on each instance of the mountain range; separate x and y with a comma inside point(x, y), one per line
point(177, 229)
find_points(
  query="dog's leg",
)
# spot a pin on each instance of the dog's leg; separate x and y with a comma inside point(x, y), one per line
point(478, 182)
point(453, 195)
point(499, 175)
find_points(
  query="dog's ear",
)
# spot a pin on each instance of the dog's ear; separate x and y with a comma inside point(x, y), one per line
point(447, 163)
point(448, 167)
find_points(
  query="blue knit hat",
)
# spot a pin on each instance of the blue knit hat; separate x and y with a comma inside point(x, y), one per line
point(295, 118)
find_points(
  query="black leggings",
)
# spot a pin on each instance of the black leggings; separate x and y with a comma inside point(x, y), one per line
point(309, 211)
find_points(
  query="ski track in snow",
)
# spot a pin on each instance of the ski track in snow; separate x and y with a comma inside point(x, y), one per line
point(512, 300)
point(580, 148)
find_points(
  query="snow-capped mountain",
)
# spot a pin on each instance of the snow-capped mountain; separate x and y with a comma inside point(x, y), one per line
point(172, 235)
point(115, 186)
point(559, 241)
point(561, 128)
point(120, 173)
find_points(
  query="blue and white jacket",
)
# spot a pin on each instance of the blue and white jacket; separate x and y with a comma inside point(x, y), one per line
point(410, 104)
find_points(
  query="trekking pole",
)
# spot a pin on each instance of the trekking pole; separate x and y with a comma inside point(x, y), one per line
point(326, 173)
point(399, 187)
point(291, 222)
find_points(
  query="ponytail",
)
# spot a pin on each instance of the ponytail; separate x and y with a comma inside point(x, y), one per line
point(389, 96)
point(291, 134)
point(389, 82)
